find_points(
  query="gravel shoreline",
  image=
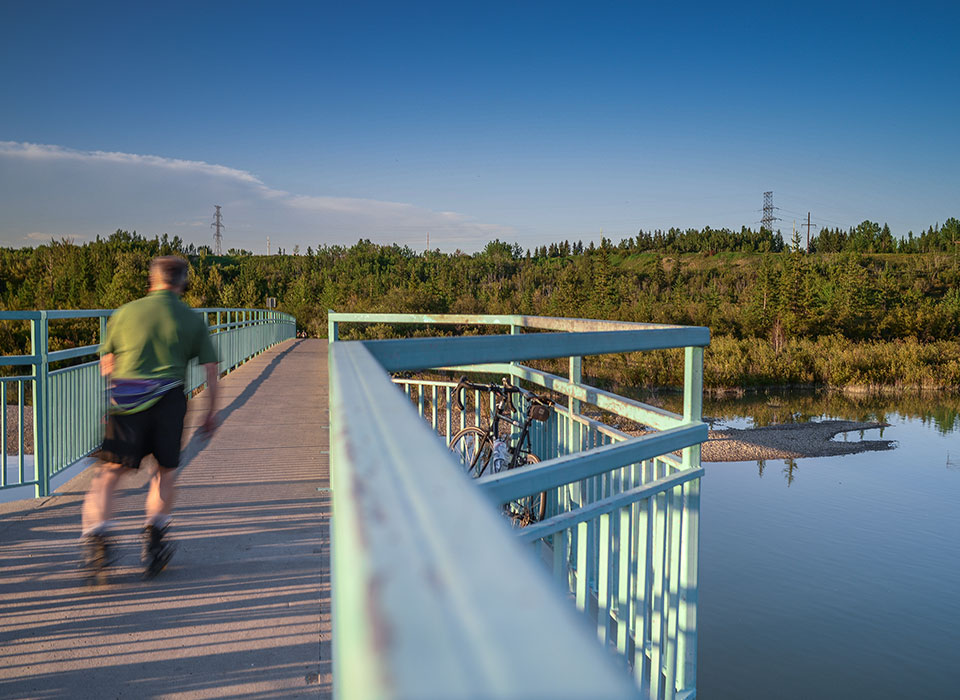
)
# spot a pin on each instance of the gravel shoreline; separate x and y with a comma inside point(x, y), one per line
point(790, 441)
point(781, 441)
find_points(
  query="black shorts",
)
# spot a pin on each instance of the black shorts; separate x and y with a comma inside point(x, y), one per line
point(157, 431)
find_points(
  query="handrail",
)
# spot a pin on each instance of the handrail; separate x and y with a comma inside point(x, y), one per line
point(509, 485)
point(566, 520)
point(519, 320)
point(637, 411)
point(622, 525)
point(424, 353)
point(68, 403)
point(19, 360)
point(409, 592)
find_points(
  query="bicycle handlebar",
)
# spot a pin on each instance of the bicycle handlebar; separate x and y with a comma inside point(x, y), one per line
point(505, 390)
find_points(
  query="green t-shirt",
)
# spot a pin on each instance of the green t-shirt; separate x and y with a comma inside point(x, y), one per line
point(155, 337)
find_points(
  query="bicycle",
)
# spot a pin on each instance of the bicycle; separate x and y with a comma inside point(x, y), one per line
point(482, 449)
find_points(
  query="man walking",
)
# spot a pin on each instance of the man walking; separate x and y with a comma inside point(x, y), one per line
point(144, 358)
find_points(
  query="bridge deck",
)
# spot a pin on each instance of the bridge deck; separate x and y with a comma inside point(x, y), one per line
point(243, 609)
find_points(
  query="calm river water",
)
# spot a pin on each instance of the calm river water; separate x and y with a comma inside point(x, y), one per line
point(834, 577)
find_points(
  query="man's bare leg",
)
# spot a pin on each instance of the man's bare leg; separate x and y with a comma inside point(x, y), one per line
point(98, 503)
point(161, 496)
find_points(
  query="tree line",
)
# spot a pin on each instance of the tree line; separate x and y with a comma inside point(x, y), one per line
point(856, 311)
point(867, 237)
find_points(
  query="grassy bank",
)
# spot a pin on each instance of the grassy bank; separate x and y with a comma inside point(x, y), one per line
point(732, 364)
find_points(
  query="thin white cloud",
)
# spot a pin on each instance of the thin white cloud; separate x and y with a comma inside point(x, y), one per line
point(249, 203)
point(38, 151)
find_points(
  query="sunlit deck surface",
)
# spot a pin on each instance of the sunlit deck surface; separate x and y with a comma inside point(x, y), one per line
point(243, 610)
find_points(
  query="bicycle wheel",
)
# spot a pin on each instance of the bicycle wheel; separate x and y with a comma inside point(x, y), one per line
point(529, 509)
point(474, 449)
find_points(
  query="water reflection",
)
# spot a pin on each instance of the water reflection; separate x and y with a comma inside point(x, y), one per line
point(858, 435)
point(756, 409)
point(824, 576)
point(789, 467)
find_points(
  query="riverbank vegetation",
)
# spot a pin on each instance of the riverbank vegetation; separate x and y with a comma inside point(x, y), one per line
point(861, 310)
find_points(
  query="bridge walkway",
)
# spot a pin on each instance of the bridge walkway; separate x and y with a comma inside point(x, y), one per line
point(242, 611)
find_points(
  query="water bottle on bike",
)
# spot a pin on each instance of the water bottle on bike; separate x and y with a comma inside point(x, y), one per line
point(500, 457)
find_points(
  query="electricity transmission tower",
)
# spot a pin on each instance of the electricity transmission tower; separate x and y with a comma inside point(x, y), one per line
point(218, 225)
point(768, 218)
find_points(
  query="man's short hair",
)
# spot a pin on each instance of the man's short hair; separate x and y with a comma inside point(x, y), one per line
point(171, 270)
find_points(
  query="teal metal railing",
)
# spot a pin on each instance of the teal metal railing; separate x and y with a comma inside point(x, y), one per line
point(621, 532)
point(64, 407)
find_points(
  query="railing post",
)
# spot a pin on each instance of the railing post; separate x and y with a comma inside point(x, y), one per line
point(690, 537)
point(573, 437)
point(693, 392)
point(217, 339)
point(333, 328)
point(40, 347)
point(102, 406)
point(576, 376)
point(245, 325)
point(573, 431)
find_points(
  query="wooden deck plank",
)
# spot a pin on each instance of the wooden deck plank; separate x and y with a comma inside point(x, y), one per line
point(244, 608)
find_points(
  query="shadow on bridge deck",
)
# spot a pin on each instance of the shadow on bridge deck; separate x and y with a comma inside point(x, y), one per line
point(243, 610)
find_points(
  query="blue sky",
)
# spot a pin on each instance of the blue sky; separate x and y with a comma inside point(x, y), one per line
point(318, 123)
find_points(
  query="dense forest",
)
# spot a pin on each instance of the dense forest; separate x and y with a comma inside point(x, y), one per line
point(861, 309)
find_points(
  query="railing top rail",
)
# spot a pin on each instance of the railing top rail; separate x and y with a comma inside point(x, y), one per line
point(566, 469)
point(211, 310)
point(613, 433)
point(409, 589)
point(555, 323)
point(636, 411)
point(522, 321)
point(18, 360)
point(71, 353)
point(588, 512)
point(429, 319)
point(19, 315)
point(55, 314)
point(425, 353)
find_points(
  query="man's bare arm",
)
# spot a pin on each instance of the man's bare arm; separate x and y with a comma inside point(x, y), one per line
point(213, 374)
point(106, 365)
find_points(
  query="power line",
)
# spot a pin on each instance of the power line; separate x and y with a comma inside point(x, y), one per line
point(816, 218)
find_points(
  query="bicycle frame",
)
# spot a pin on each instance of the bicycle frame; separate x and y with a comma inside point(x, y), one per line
point(493, 431)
